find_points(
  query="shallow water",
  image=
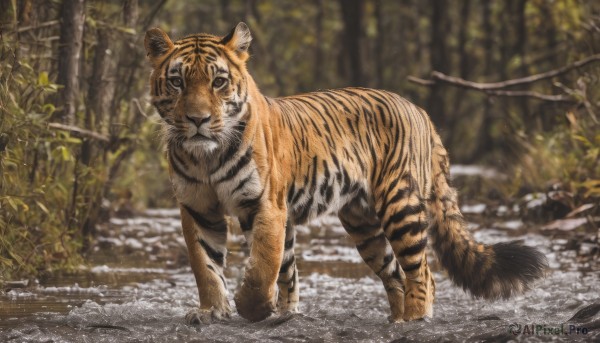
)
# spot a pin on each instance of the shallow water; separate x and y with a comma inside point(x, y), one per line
point(138, 287)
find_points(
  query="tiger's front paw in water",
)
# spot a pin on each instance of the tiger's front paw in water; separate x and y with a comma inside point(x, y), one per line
point(254, 304)
point(200, 316)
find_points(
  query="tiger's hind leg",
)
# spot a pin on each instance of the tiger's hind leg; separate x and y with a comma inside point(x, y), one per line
point(288, 298)
point(404, 218)
point(364, 228)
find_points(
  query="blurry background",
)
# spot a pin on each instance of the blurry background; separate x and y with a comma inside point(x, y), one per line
point(79, 141)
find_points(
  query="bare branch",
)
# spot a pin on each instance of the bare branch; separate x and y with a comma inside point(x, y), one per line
point(38, 26)
point(529, 94)
point(153, 12)
point(497, 88)
point(421, 81)
point(139, 107)
point(532, 94)
point(514, 82)
point(77, 131)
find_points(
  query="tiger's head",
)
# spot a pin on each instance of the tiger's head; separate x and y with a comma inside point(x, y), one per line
point(199, 85)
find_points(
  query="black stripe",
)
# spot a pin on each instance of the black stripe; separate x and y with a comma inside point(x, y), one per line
point(291, 192)
point(412, 267)
point(386, 262)
point(242, 183)
point(321, 208)
point(363, 228)
point(251, 203)
point(179, 160)
point(304, 211)
point(232, 148)
point(298, 195)
point(181, 173)
point(414, 249)
point(396, 273)
point(345, 182)
point(241, 163)
point(400, 194)
point(365, 244)
point(403, 213)
point(289, 244)
point(414, 227)
point(323, 188)
point(217, 256)
point(286, 265)
point(220, 275)
point(167, 58)
point(220, 226)
point(247, 223)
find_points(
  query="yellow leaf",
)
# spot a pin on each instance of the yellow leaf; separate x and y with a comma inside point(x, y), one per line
point(42, 207)
point(43, 79)
point(12, 203)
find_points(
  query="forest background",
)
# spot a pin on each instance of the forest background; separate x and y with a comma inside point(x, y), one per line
point(512, 85)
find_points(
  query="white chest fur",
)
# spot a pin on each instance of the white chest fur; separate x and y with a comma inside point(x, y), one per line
point(234, 186)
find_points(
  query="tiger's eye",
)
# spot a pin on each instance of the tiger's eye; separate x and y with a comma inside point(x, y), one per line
point(219, 82)
point(177, 82)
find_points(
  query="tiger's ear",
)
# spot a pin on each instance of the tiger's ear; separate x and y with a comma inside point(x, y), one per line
point(239, 40)
point(157, 44)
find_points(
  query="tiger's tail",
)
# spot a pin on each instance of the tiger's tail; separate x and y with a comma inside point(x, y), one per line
point(486, 271)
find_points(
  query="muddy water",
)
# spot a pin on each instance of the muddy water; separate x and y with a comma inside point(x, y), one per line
point(138, 287)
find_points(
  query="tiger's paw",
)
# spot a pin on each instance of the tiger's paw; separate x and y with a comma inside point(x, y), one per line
point(393, 319)
point(287, 309)
point(287, 304)
point(200, 316)
point(418, 302)
point(415, 310)
point(252, 304)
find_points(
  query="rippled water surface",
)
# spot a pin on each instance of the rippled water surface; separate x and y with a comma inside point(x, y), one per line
point(138, 287)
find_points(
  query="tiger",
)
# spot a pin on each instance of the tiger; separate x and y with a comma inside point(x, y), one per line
point(370, 156)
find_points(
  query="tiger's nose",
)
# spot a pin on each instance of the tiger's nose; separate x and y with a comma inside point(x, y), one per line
point(199, 119)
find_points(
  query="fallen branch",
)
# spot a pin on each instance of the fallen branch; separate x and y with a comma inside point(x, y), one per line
point(77, 131)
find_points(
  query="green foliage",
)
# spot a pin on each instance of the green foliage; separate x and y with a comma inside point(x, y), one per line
point(145, 175)
point(54, 181)
point(38, 212)
point(569, 154)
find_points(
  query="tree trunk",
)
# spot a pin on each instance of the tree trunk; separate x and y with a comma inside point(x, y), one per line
point(99, 97)
point(225, 12)
point(96, 97)
point(439, 58)
point(128, 62)
point(465, 13)
point(352, 18)
point(72, 16)
point(520, 50)
point(484, 140)
point(379, 42)
point(318, 71)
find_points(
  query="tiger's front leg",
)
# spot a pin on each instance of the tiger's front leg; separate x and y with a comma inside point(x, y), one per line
point(257, 296)
point(206, 237)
